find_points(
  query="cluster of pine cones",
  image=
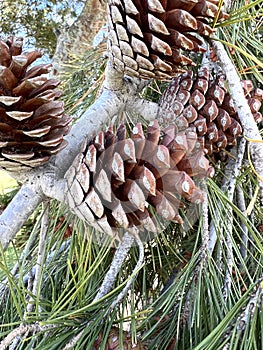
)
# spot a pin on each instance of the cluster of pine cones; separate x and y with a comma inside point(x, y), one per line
point(202, 104)
point(129, 178)
point(123, 178)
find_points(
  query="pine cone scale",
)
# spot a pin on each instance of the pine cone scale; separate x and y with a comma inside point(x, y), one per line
point(155, 30)
point(209, 110)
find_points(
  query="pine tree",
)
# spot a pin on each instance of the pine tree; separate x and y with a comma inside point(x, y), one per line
point(197, 283)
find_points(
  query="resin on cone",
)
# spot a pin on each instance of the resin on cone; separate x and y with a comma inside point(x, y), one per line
point(32, 119)
point(153, 38)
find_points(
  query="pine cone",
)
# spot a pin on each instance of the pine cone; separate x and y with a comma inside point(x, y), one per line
point(149, 38)
point(32, 120)
point(123, 182)
point(202, 103)
point(113, 342)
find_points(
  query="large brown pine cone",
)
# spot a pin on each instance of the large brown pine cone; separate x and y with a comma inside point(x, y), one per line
point(113, 341)
point(32, 119)
point(152, 38)
point(203, 103)
point(123, 182)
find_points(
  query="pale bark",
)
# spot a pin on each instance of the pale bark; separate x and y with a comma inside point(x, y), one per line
point(18, 211)
point(232, 172)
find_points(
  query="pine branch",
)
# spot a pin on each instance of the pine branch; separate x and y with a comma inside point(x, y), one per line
point(4, 286)
point(48, 181)
point(18, 211)
point(239, 325)
point(205, 230)
point(146, 109)
point(119, 258)
point(41, 255)
point(229, 253)
point(20, 332)
point(83, 30)
point(242, 206)
point(231, 174)
point(139, 264)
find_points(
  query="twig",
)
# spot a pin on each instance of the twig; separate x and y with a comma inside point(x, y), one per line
point(249, 310)
point(83, 30)
point(4, 286)
point(247, 315)
point(242, 206)
point(205, 230)
point(41, 255)
point(20, 331)
point(229, 255)
point(139, 264)
point(119, 257)
point(227, 5)
point(232, 172)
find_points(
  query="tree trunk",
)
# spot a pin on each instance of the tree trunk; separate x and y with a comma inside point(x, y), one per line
point(78, 38)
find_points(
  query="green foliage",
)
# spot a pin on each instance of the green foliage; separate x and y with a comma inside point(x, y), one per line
point(83, 80)
point(242, 34)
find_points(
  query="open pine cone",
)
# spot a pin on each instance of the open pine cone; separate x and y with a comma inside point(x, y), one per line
point(123, 182)
point(32, 119)
point(202, 102)
point(113, 341)
point(152, 38)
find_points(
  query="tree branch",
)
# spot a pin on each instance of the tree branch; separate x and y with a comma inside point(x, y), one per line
point(41, 255)
point(119, 257)
point(139, 264)
point(20, 332)
point(18, 211)
point(242, 206)
point(228, 186)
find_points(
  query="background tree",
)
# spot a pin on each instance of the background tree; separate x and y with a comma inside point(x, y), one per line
point(196, 286)
point(40, 22)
